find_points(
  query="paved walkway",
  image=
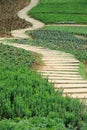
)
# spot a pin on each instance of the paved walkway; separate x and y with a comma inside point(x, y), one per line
point(60, 68)
point(23, 15)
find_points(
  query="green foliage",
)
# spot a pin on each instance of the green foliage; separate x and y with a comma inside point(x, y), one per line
point(81, 30)
point(21, 92)
point(61, 40)
point(13, 56)
point(37, 123)
point(60, 11)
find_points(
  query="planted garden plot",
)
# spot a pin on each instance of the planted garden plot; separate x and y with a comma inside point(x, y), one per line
point(61, 11)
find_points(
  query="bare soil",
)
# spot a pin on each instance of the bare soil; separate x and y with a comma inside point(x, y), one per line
point(8, 16)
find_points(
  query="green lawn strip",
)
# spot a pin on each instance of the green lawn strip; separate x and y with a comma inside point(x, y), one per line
point(60, 11)
point(70, 29)
point(50, 18)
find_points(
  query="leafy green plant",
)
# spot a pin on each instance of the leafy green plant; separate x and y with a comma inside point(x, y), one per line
point(61, 40)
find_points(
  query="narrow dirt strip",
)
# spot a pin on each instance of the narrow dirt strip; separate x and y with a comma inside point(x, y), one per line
point(60, 68)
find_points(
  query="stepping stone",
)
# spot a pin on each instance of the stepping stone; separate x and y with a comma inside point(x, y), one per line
point(70, 85)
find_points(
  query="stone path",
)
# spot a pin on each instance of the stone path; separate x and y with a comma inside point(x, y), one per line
point(59, 67)
point(23, 15)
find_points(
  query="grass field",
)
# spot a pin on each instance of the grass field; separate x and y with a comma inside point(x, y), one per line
point(61, 11)
point(8, 16)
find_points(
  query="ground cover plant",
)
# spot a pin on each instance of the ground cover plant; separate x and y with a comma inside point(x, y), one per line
point(13, 56)
point(60, 11)
point(29, 102)
point(8, 16)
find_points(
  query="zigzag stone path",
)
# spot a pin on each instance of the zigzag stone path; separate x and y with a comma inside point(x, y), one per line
point(59, 67)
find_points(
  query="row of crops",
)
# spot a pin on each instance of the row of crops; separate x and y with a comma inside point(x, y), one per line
point(29, 102)
point(60, 11)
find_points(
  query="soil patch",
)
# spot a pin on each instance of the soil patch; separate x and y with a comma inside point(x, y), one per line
point(8, 16)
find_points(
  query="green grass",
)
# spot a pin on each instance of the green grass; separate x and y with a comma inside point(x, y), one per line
point(60, 11)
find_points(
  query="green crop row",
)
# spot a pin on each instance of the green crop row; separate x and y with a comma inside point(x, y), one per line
point(79, 30)
point(60, 11)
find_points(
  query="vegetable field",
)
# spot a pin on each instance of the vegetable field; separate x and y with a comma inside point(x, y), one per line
point(61, 40)
point(61, 11)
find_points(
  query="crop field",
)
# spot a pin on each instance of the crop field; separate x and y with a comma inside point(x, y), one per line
point(61, 40)
point(61, 11)
point(69, 29)
point(8, 17)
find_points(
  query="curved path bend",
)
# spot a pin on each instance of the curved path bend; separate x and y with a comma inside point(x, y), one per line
point(23, 15)
point(60, 68)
